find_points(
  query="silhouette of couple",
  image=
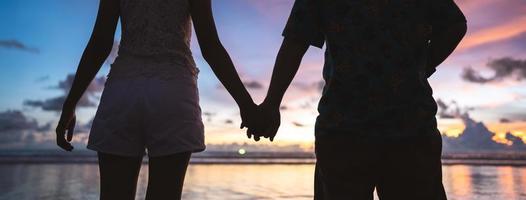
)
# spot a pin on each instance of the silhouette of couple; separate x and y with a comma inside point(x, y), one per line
point(376, 126)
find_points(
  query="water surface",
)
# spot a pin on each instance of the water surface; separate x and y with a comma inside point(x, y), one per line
point(219, 182)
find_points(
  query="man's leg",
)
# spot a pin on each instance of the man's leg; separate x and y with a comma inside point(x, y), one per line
point(412, 170)
point(118, 176)
point(345, 169)
point(318, 185)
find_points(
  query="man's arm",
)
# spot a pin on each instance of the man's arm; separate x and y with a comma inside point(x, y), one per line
point(287, 64)
point(443, 43)
point(449, 27)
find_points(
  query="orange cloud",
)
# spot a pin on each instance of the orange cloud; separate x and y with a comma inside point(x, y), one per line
point(517, 129)
point(493, 34)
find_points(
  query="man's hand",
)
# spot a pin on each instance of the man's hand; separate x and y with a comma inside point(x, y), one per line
point(285, 68)
point(66, 123)
point(272, 119)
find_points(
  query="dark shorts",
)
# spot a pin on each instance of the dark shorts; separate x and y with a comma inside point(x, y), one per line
point(402, 168)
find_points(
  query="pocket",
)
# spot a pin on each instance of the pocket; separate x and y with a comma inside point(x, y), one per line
point(112, 99)
point(175, 99)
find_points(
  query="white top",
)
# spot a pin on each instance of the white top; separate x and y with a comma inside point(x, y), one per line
point(155, 31)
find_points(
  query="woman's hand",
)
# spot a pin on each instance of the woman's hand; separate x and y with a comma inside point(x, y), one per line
point(248, 114)
point(66, 123)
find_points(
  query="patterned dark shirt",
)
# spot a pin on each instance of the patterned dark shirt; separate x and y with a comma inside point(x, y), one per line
point(375, 62)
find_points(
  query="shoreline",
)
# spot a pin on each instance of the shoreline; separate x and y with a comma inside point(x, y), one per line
point(260, 158)
point(511, 163)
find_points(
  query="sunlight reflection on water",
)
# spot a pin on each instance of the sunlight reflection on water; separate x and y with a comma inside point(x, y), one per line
point(80, 181)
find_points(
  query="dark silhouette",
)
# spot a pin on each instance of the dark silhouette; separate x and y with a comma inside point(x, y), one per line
point(119, 176)
point(150, 98)
point(376, 126)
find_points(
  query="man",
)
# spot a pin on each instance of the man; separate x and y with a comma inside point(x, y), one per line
point(376, 126)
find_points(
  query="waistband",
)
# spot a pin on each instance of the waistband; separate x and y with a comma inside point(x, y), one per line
point(127, 66)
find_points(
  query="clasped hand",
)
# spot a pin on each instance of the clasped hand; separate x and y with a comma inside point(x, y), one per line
point(261, 121)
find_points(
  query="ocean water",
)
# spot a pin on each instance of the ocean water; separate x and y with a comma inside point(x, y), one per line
point(247, 181)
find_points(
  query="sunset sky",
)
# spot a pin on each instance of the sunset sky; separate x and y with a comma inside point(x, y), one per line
point(41, 43)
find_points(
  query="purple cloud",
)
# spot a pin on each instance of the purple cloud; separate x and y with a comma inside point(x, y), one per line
point(89, 99)
point(503, 68)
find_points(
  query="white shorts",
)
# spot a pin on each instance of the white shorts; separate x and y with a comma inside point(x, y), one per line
point(161, 116)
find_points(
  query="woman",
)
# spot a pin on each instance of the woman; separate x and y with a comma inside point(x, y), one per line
point(150, 100)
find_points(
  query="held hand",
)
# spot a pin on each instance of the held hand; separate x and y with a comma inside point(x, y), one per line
point(66, 123)
point(267, 122)
point(248, 113)
point(257, 123)
point(273, 119)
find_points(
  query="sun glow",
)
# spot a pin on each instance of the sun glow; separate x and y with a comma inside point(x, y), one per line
point(501, 138)
point(453, 132)
point(242, 151)
point(455, 128)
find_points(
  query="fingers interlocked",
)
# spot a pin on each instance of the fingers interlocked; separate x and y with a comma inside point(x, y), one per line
point(263, 122)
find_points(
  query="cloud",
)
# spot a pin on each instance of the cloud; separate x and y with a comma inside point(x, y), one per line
point(209, 116)
point(491, 21)
point(84, 128)
point(451, 110)
point(253, 85)
point(517, 142)
point(53, 104)
point(476, 136)
point(16, 128)
point(113, 54)
point(503, 68)
point(19, 131)
point(15, 120)
point(249, 84)
point(316, 86)
point(297, 124)
point(96, 85)
point(470, 75)
point(15, 44)
point(42, 78)
point(89, 99)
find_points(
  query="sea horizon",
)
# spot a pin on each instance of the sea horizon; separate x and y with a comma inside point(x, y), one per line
point(241, 156)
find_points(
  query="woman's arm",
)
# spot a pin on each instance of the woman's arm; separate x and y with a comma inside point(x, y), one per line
point(96, 52)
point(217, 57)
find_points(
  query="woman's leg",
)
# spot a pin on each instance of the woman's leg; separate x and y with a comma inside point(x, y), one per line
point(118, 176)
point(166, 176)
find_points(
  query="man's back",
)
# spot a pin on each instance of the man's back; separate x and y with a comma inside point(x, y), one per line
point(376, 65)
